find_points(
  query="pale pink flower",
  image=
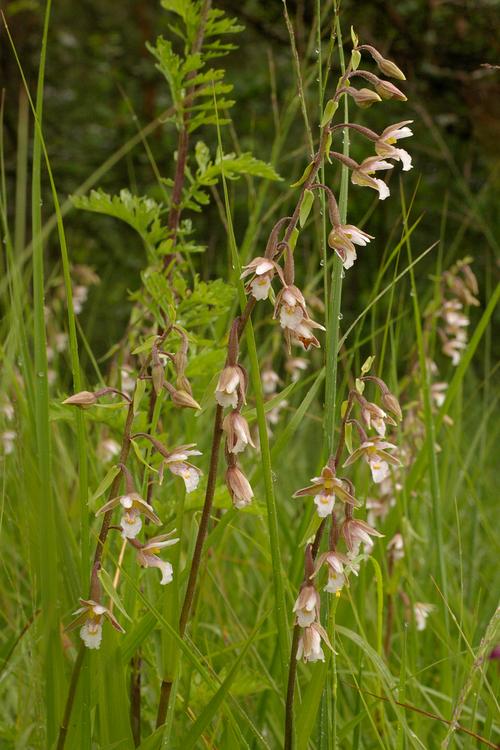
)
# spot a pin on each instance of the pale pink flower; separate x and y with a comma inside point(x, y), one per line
point(231, 386)
point(147, 557)
point(422, 610)
point(309, 648)
point(89, 618)
point(238, 434)
point(306, 607)
point(239, 487)
point(357, 533)
point(376, 453)
point(362, 175)
point(325, 489)
point(343, 238)
point(133, 506)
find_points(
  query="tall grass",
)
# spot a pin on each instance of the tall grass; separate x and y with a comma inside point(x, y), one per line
point(387, 683)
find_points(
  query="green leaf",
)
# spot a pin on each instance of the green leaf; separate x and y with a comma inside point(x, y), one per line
point(140, 389)
point(305, 175)
point(212, 708)
point(355, 59)
point(330, 109)
point(306, 206)
point(107, 584)
point(141, 213)
point(104, 484)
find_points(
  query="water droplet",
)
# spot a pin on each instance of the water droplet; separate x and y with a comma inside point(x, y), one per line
point(317, 51)
point(322, 263)
point(274, 476)
point(341, 316)
point(41, 203)
point(40, 374)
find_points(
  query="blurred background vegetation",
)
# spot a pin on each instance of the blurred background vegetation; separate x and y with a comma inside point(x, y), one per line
point(99, 73)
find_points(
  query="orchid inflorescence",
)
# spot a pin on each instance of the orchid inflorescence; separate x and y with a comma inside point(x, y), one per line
point(335, 500)
point(133, 507)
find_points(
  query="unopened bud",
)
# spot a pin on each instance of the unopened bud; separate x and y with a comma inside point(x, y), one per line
point(239, 487)
point(180, 362)
point(391, 403)
point(364, 98)
point(181, 398)
point(158, 377)
point(183, 384)
point(388, 90)
point(83, 398)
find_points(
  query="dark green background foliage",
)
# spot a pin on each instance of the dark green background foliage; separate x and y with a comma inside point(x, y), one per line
point(100, 72)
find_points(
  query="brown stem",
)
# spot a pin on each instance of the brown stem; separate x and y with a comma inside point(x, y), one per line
point(63, 729)
point(135, 698)
point(290, 693)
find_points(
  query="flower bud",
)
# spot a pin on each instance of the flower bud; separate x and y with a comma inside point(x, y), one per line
point(364, 98)
point(388, 90)
point(158, 377)
point(181, 398)
point(82, 398)
point(390, 402)
point(239, 487)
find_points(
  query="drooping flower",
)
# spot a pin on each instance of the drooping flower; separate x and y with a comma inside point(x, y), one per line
point(375, 451)
point(356, 533)
point(231, 386)
point(306, 607)
point(147, 556)
point(89, 617)
point(238, 434)
point(384, 145)
point(176, 462)
point(343, 238)
point(373, 416)
point(362, 175)
point(239, 487)
point(422, 610)
point(263, 271)
point(134, 506)
point(290, 307)
point(338, 565)
point(309, 648)
point(325, 489)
